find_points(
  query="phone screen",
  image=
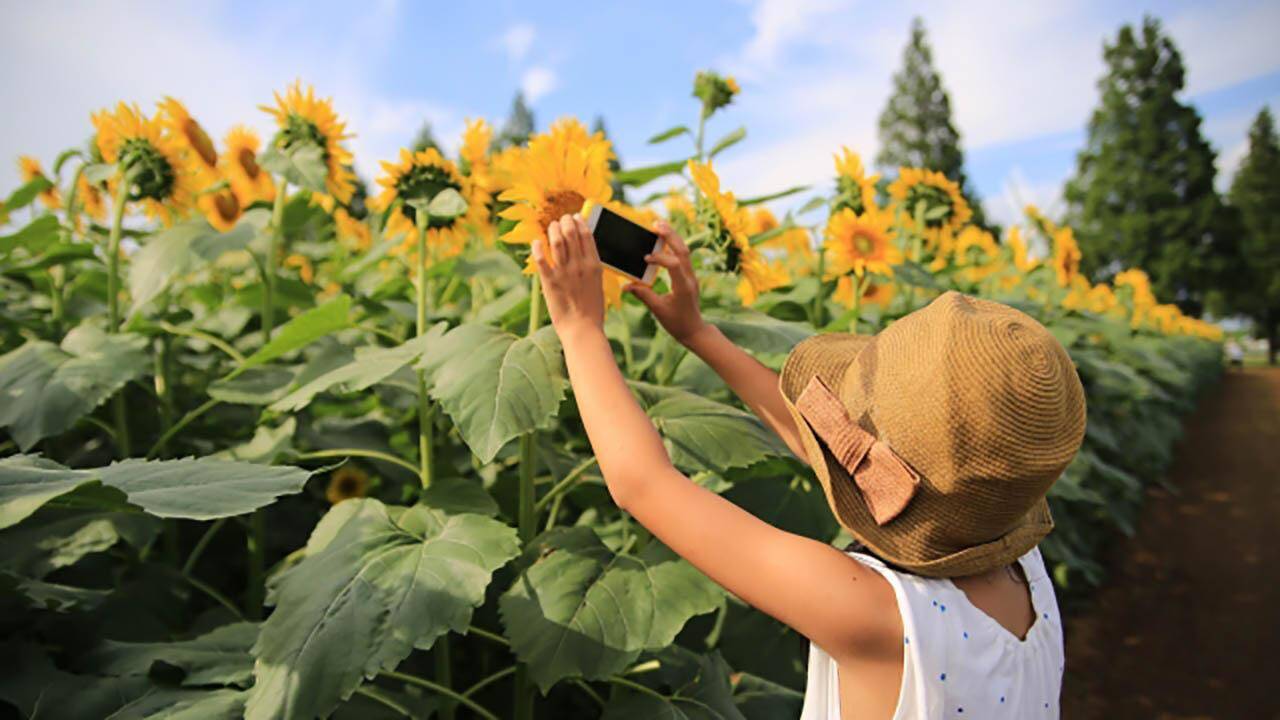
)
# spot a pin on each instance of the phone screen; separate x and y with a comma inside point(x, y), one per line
point(622, 243)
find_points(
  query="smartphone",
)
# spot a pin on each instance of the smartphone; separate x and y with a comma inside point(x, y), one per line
point(623, 244)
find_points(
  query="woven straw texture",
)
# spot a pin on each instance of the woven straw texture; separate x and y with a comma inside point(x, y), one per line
point(980, 400)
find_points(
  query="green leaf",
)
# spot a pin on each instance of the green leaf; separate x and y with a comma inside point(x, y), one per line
point(781, 194)
point(580, 610)
point(57, 537)
point(35, 236)
point(698, 689)
point(669, 133)
point(58, 254)
point(255, 386)
point(304, 330)
point(45, 389)
point(267, 445)
point(99, 173)
point(760, 699)
point(797, 506)
point(496, 385)
point(57, 597)
point(813, 204)
point(63, 157)
point(447, 204)
point(378, 589)
point(728, 141)
point(915, 275)
point(702, 434)
point(197, 489)
point(302, 165)
point(759, 332)
point(219, 657)
point(459, 495)
point(178, 251)
point(370, 366)
point(26, 193)
point(640, 176)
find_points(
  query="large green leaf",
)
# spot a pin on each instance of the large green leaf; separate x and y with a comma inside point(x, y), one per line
point(697, 688)
point(304, 330)
point(179, 250)
point(759, 332)
point(56, 537)
point(369, 366)
point(197, 489)
point(46, 388)
point(381, 582)
point(302, 164)
point(702, 434)
point(580, 610)
point(798, 506)
point(669, 133)
point(496, 385)
point(219, 657)
point(34, 236)
point(643, 175)
point(760, 699)
point(26, 193)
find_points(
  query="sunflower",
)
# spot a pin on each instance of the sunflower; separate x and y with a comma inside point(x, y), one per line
point(239, 165)
point(730, 225)
point(90, 199)
point(854, 188)
point(875, 293)
point(1066, 255)
point(304, 119)
point(149, 157)
point(421, 176)
point(306, 273)
point(347, 482)
point(976, 252)
point(1101, 299)
point(714, 90)
point(554, 176)
point(221, 207)
point(1018, 250)
point(678, 207)
point(917, 185)
point(794, 242)
point(475, 164)
point(354, 233)
point(202, 156)
point(759, 275)
point(476, 140)
point(861, 243)
point(31, 170)
point(732, 220)
point(1075, 298)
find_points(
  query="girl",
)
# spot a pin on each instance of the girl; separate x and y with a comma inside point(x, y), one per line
point(935, 442)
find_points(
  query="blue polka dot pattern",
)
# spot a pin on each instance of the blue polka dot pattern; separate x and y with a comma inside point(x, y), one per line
point(1001, 699)
point(966, 635)
point(943, 677)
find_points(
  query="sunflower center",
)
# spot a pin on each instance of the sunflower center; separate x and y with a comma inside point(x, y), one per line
point(249, 163)
point(298, 129)
point(227, 206)
point(199, 139)
point(932, 197)
point(558, 204)
point(864, 243)
point(424, 182)
point(148, 169)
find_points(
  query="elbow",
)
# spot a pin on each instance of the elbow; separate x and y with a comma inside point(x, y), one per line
point(627, 483)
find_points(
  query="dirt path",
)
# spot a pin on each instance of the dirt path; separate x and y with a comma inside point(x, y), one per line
point(1188, 623)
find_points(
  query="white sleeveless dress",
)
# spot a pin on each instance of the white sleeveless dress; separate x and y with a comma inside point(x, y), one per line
point(958, 662)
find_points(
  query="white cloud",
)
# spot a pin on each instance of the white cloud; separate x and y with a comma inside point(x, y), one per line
point(538, 81)
point(779, 24)
point(517, 40)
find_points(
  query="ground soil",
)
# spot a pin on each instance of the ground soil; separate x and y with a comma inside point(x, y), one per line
point(1187, 624)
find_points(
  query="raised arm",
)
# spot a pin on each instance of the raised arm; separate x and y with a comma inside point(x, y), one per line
point(679, 313)
point(830, 598)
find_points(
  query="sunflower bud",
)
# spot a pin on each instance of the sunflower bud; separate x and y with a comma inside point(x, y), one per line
point(715, 91)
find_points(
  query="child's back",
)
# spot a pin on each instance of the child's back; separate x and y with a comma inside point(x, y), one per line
point(957, 659)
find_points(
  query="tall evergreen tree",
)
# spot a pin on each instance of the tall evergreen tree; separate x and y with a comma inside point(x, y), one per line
point(619, 191)
point(915, 126)
point(1143, 191)
point(1253, 282)
point(519, 125)
point(426, 138)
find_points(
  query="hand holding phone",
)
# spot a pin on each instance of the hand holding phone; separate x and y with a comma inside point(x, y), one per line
point(678, 311)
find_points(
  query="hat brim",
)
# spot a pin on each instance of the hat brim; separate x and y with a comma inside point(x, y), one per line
point(830, 356)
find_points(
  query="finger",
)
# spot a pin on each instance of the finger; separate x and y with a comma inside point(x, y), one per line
point(558, 252)
point(647, 295)
point(572, 245)
point(539, 255)
point(671, 238)
point(664, 258)
point(589, 250)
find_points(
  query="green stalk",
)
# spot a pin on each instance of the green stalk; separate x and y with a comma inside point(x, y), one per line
point(425, 411)
point(113, 305)
point(702, 126)
point(257, 542)
point(527, 525)
point(817, 296)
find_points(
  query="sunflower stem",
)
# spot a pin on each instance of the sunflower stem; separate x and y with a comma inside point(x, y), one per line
point(527, 524)
point(113, 305)
point(425, 411)
point(816, 312)
point(257, 540)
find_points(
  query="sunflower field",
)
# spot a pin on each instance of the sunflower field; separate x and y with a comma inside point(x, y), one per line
point(274, 449)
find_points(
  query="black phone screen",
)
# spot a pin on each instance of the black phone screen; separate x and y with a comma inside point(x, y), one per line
point(622, 243)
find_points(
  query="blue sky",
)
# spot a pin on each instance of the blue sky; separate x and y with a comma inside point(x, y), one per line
point(815, 73)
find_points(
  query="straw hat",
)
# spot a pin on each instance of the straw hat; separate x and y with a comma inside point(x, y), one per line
point(937, 439)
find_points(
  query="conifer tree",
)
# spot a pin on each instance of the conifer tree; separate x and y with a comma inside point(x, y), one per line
point(1143, 194)
point(915, 126)
point(426, 138)
point(519, 125)
point(1253, 282)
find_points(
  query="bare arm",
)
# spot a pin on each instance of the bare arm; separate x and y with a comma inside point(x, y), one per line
point(830, 598)
point(679, 313)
